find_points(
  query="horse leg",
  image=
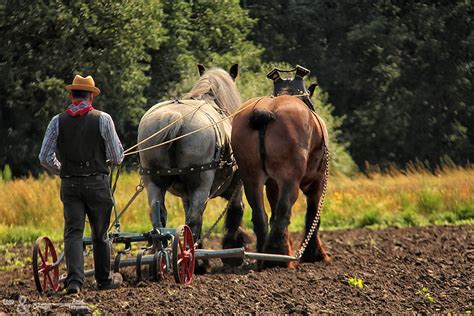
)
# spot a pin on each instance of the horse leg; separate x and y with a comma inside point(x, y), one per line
point(156, 201)
point(198, 194)
point(234, 237)
point(278, 241)
point(271, 188)
point(314, 251)
point(254, 194)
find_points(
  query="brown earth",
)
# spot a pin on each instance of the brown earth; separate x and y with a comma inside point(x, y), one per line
point(394, 264)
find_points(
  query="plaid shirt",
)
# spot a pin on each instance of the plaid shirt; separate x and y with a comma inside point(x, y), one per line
point(113, 146)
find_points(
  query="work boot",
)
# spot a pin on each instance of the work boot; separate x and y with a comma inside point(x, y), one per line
point(112, 284)
point(73, 288)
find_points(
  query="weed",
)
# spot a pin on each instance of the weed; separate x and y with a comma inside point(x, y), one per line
point(429, 201)
point(411, 218)
point(11, 261)
point(356, 282)
point(369, 218)
point(5, 174)
point(425, 294)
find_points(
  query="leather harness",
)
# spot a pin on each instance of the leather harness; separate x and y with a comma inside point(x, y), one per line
point(294, 86)
point(219, 161)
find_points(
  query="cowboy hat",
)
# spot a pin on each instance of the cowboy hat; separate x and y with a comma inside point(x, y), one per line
point(84, 84)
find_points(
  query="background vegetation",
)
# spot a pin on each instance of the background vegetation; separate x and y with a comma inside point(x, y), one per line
point(395, 82)
point(416, 197)
point(399, 75)
point(401, 72)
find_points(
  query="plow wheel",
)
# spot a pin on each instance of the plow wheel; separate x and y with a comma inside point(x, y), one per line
point(44, 256)
point(138, 265)
point(159, 267)
point(183, 255)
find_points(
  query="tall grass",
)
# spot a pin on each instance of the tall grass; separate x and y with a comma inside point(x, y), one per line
point(31, 207)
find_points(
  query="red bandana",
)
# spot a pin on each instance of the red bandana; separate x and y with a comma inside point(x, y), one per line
point(79, 107)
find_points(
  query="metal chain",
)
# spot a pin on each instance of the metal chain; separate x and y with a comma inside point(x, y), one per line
point(317, 217)
point(232, 197)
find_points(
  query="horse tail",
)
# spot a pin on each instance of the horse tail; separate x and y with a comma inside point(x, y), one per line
point(259, 120)
point(171, 132)
point(171, 123)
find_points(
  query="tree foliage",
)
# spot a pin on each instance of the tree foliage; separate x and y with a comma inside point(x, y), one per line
point(401, 72)
point(45, 43)
point(210, 32)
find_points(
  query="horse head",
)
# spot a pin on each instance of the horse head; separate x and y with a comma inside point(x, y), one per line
point(233, 70)
point(217, 85)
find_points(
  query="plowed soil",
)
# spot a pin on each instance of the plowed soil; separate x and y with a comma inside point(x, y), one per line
point(422, 270)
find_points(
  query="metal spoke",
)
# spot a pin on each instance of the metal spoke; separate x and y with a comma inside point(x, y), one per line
point(189, 272)
point(181, 246)
point(41, 256)
point(183, 272)
point(50, 281)
point(44, 280)
point(46, 252)
point(42, 268)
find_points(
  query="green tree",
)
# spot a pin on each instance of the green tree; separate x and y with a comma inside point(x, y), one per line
point(401, 72)
point(44, 44)
point(210, 32)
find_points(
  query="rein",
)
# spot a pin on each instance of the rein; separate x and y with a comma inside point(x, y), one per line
point(162, 130)
point(187, 134)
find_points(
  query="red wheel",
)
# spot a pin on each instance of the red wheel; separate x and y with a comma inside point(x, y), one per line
point(183, 255)
point(160, 266)
point(45, 273)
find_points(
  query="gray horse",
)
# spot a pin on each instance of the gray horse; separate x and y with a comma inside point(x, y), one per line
point(199, 166)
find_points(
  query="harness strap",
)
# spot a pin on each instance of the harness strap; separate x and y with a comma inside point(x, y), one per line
point(217, 133)
point(216, 164)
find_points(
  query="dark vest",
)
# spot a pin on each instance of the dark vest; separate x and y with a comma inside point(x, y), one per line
point(81, 147)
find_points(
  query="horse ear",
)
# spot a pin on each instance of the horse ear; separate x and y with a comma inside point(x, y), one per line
point(311, 89)
point(201, 69)
point(234, 71)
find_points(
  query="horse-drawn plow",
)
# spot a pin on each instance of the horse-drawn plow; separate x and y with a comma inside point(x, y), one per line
point(168, 251)
point(210, 167)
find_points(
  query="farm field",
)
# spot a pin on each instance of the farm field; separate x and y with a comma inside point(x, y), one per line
point(408, 270)
point(400, 242)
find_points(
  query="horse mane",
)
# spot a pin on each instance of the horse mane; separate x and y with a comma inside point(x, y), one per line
point(216, 85)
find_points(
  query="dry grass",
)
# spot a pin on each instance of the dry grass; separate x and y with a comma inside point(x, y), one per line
point(31, 207)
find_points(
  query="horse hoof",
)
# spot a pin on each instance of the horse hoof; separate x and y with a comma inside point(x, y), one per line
point(292, 265)
point(236, 240)
point(201, 267)
point(270, 264)
point(274, 264)
point(315, 257)
point(233, 262)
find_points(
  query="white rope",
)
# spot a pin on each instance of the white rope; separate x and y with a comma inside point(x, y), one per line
point(193, 132)
point(164, 128)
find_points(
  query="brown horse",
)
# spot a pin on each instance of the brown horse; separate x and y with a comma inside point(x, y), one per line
point(279, 142)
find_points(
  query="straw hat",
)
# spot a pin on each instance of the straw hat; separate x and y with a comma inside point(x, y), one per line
point(84, 84)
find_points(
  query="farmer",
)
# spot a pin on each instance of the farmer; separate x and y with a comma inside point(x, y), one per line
point(84, 140)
